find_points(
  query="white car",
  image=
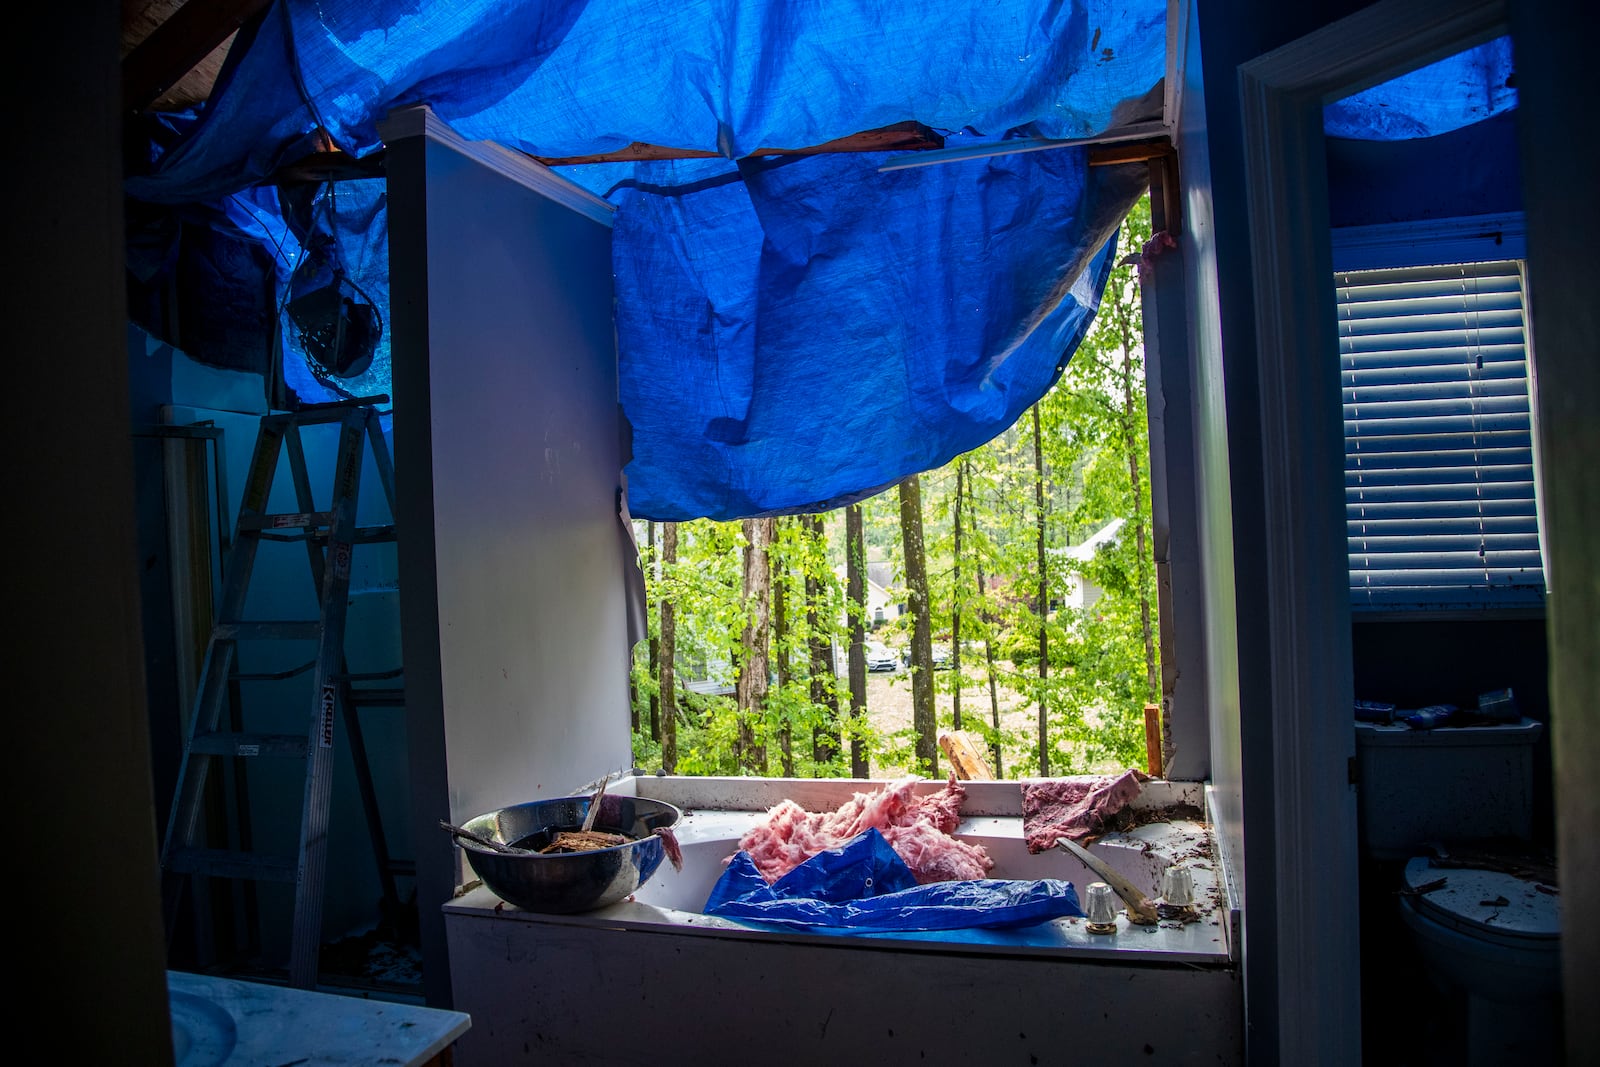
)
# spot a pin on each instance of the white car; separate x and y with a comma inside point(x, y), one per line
point(879, 658)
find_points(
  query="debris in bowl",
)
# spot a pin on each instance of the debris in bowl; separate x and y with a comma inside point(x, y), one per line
point(553, 842)
point(584, 841)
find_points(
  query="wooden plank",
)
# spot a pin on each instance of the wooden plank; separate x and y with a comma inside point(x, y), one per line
point(1152, 739)
point(1131, 152)
point(331, 165)
point(179, 44)
point(965, 752)
point(334, 165)
point(900, 137)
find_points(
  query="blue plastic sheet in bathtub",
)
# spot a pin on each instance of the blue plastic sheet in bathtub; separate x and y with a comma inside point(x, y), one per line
point(865, 887)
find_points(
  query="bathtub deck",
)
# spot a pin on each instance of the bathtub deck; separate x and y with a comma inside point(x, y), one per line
point(652, 980)
point(671, 900)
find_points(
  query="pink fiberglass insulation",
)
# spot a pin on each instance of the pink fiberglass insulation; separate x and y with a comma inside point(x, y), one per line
point(917, 828)
point(1074, 808)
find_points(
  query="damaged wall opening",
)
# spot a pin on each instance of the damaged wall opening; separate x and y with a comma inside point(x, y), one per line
point(661, 932)
point(1005, 603)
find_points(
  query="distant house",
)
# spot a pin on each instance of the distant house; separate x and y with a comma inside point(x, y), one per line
point(885, 602)
point(1081, 593)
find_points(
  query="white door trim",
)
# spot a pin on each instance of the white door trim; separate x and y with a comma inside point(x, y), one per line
point(1282, 95)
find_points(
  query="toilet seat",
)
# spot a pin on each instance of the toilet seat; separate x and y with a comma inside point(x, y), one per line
point(1469, 904)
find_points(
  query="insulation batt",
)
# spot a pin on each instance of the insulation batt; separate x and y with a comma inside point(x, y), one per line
point(917, 828)
point(1074, 807)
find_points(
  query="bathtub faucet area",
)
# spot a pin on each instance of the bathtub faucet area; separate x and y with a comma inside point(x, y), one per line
point(729, 984)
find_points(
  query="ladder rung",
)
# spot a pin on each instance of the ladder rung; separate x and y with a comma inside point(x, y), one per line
point(292, 630)
point(377, 698)
point(285, 521)
point(222, 863)
point(221, 743)
point(361, 535)
point(332, 411)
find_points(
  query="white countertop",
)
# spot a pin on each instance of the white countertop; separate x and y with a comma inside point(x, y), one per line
point(273, 1025)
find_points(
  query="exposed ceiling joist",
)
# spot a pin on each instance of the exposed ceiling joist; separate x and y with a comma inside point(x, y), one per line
point(179, 44)
point(333, 165)
point(900, 137)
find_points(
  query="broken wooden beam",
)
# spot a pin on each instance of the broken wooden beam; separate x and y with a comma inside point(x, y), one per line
point(328, 165)
point(965, 752)
point(178, 45)
point(900, 137)
point(1111, 155)
point(1152, 739)
point(331, 164)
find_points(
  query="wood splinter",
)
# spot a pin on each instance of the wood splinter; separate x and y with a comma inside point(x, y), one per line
point(965, 753)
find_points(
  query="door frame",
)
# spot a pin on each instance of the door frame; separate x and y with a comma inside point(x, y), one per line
point(1282, 95)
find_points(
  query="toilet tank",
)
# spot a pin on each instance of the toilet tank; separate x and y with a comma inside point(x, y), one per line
point(1453, 783)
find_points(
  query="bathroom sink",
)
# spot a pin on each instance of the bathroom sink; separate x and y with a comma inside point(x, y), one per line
point(203, 1034)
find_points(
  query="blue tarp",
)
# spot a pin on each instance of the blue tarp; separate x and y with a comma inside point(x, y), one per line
point(865, 887)
point(805, 333)
point(1456, 91)
point(793, 333)
point(578, 77)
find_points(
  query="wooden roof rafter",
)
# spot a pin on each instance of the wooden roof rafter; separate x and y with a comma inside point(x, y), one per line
point(331, 164)
point(179, 44)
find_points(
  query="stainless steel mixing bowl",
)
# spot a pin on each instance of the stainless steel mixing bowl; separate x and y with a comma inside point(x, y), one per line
point(564, 883)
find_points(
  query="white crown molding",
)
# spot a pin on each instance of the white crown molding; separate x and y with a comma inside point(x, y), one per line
point(420, 121)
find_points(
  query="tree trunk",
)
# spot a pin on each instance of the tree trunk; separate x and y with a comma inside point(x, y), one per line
point(780, 641)
point(955, 601)
point(751, 689)
point(922, 712)
point(825, 736)
point(856, 590)
point(1131, 443)
point(655, 641)
point(989, 671)
point(1044, 597)
point(666, 678)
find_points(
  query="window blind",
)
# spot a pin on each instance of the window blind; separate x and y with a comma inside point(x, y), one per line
point(1439, 477)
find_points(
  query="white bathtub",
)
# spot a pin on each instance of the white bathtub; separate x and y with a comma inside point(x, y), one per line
point(522, 976)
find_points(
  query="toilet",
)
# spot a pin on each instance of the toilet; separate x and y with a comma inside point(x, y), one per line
point(1494, 939)
point(1489, 940)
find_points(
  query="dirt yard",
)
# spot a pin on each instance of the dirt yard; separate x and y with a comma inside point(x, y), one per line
point(889, 712)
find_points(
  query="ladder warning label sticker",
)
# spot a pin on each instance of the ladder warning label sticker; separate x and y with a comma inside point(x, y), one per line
point(249, 750)
point(328, 696)
point(341, 560)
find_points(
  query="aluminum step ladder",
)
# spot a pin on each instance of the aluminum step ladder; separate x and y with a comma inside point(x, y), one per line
point(215, 728)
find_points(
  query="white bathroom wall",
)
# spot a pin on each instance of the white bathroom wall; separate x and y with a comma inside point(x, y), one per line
point(508, 455)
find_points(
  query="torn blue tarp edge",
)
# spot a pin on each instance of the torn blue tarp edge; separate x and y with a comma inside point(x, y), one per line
point(784, 75)
point(864, 887)
point(720, 477)
point(1450, 94)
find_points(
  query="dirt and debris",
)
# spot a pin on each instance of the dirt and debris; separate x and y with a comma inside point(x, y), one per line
point(377, 957)
point(1519, 859)
point(582, 841)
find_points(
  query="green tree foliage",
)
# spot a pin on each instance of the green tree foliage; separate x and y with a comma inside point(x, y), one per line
point(1093, 470)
